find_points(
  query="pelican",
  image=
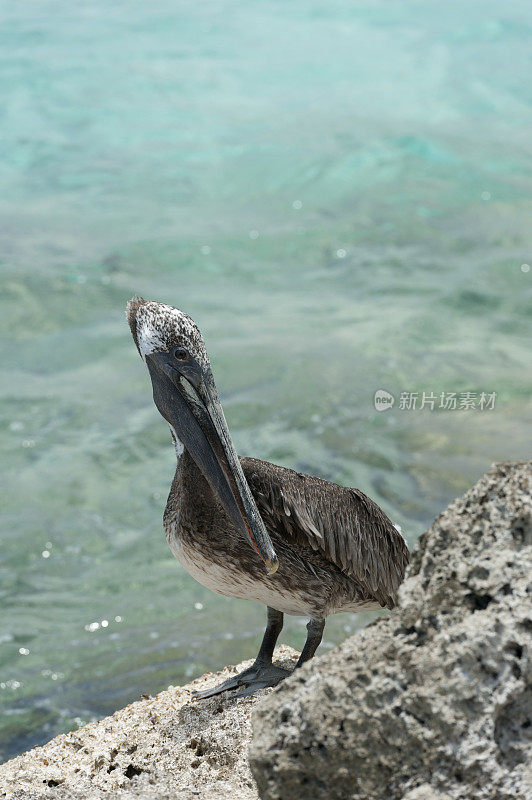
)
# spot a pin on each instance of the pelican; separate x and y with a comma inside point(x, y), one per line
point(250, 529)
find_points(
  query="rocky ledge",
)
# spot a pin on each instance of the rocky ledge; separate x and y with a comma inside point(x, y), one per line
point(159, 748)
point(433, 702)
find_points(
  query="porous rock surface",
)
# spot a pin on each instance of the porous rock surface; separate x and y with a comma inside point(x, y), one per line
point(160, 748)
point(433, 702)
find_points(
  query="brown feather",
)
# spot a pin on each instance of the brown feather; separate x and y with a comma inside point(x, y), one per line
point(344, 524)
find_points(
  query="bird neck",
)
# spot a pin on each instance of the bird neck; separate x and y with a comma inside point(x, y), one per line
point(178, 444)
point(189, 486)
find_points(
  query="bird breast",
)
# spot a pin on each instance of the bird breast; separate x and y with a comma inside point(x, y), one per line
point(229, 580)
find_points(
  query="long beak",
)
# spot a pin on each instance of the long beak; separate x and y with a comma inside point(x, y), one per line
point(199, 421)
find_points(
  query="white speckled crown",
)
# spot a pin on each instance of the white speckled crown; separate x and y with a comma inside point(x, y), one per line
point(156, 326)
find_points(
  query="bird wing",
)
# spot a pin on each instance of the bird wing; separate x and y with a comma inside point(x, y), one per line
point(344, 524)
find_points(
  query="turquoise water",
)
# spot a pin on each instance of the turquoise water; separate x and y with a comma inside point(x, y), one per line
point(340, 194)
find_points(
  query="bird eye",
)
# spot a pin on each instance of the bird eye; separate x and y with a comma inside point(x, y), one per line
point(180, 354)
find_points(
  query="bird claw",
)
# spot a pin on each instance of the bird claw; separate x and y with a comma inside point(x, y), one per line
point(250, 680)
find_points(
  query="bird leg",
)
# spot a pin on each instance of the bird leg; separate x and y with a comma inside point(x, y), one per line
point(262, 673)
point(314, 633)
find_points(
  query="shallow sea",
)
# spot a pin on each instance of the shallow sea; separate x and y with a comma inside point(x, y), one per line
point(340, 194)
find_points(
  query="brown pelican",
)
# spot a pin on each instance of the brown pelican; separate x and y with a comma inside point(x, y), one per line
point(247, 528)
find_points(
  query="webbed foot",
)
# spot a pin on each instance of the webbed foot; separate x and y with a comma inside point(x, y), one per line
point(249, 681)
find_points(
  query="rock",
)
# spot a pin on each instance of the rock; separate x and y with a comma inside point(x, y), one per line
point(434, 701)
point(425, 792)
point(156, 749)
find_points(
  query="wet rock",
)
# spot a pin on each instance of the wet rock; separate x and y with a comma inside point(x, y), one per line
point(433, 702)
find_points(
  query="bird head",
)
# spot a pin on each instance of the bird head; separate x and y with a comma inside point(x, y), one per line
point(184, 391)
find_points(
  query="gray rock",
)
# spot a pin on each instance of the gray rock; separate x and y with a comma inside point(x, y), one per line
point(433, 702)
point(160, 748)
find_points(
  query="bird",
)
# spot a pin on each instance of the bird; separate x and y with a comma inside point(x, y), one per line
point(250, 529)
